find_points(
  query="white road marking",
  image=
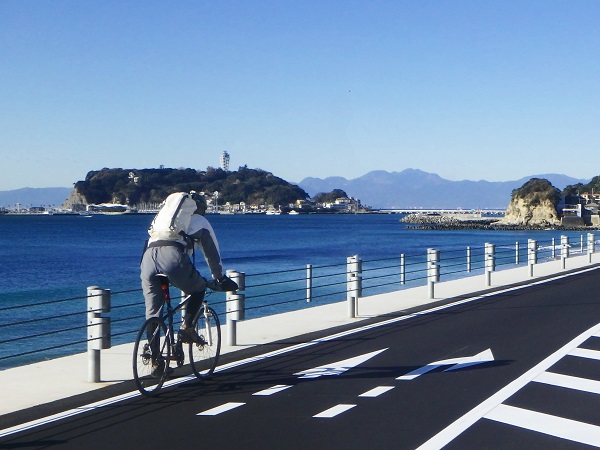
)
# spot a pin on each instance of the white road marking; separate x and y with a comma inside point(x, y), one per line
point(585, 353)
point(102, 403)
point(376, 392)
point(456, 363)
point(559, 427)
point(334, 411)
point(273, 389)
point(567, 381)
point(220, 409)
point(338, 367)
point(453, 430)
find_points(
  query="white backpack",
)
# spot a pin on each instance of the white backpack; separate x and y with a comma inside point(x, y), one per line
point(173, 218)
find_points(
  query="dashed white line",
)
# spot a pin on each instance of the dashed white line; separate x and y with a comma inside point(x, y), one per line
point(334, 411)
point(376, 392)
point(560, 427)
point(220, 409)
point(273, 389)
point(567, 381)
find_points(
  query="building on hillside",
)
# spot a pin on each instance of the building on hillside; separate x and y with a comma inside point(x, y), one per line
point(225, 161)
point(579, 210)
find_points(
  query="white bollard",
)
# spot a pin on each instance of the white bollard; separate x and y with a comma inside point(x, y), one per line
point(490, 262)
point(564, 250)
point(468, 259)
point(531, 255)
point(402, 269)
point(433, 271)
point(353, 284)
point(98, 330)
point(309, 283)
point(235, 306)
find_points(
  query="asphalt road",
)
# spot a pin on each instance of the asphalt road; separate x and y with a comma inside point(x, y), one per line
point(514, 369)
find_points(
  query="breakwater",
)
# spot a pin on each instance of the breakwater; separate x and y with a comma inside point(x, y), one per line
point(446, 222)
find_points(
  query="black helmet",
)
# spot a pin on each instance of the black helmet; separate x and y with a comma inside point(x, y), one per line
point(201, 204)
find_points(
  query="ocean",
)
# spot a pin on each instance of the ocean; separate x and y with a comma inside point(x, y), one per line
point(49, 261)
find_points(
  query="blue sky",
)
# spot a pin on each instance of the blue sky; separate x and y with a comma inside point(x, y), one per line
point(493, 90)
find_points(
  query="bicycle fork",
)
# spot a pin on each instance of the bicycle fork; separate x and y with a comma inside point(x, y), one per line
point(208, 331)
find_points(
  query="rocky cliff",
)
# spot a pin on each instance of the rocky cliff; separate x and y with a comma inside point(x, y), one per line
point(75, 202)
point(533, 205)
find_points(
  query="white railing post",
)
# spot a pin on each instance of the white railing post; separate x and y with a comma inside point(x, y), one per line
point(490, 262)
point(98, 329)
point(235, 305)
point(581, 243)
point(590, 246)
point(402, 269)
point(531, 255)
point(309, 283)
point(517, 253)
point(553, 248)
point(564, 250)
point(433, 271)
point(468, 259)
point(353, 284)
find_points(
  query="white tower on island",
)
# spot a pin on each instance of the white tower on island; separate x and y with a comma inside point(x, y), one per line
point(225, 161)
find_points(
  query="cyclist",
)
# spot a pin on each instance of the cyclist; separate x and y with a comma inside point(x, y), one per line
point(173, 258)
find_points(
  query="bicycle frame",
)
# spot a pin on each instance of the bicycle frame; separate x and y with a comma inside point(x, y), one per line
point(171, 311)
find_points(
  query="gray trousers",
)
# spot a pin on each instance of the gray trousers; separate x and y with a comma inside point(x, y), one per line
point(177, 265)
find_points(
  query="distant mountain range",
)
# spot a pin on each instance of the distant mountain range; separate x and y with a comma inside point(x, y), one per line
point(414, 188)
point(26, 197)
point(411, 188)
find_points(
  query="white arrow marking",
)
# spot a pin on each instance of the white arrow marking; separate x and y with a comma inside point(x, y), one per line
point(456, 363)
point(339, 367)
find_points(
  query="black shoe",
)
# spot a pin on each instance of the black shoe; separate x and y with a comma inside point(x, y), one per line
point(189, 336)
point(158, 368)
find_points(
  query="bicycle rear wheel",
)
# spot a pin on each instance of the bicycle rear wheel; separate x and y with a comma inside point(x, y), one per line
point(151, 356)
point(204, 358)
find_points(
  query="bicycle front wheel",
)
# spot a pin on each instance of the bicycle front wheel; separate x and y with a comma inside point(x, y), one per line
point(204, 357)
point(151, 356)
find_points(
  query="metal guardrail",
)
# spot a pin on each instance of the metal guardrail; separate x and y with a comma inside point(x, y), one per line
point(262, 294)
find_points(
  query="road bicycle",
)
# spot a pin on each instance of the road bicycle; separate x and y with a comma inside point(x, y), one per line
point(156, 346)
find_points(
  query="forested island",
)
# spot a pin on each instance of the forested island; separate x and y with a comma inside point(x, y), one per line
point(244, 189)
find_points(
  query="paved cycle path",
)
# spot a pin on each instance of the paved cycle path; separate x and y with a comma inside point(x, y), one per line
point(496, 371)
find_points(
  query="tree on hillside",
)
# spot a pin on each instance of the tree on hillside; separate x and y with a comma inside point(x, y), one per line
point(253, 186)
point(329, 197)
point(580, 188)
point(537, 190)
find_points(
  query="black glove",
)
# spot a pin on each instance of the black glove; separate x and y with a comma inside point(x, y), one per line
point(226, 284)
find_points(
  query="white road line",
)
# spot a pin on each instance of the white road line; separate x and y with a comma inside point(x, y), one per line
point(220, 409)
point(544, 423)
point(376, 392)
point(585, 353)
point(567, 381)
point(273, 389)
point(334, 411)
point(453, 430)
point(234, 364)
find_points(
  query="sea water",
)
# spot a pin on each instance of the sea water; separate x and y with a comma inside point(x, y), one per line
point(49, 261)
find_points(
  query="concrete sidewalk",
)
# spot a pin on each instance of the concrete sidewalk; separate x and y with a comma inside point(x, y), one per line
point(37, 384)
